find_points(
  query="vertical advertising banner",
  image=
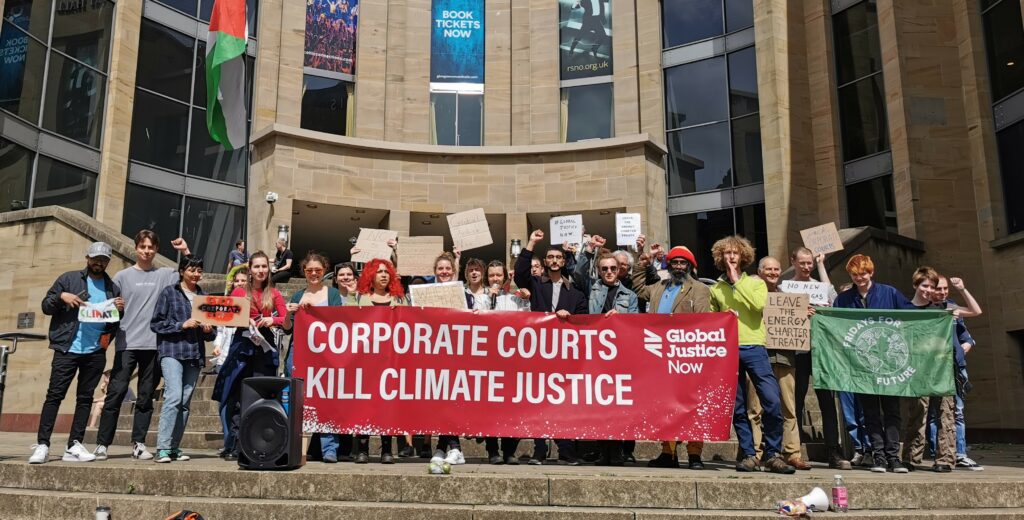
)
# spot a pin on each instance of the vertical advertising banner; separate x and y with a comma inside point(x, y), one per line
point(331, 35)
point(13, 49)
point(585, 36)
point(457, 42)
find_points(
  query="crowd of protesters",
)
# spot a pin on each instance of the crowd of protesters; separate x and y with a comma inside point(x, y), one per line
point(158, 338)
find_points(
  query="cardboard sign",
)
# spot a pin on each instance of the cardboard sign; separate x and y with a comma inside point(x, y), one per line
point(822, 239)
point(567, 228)
point(416, 255)
point(373, 243)
point(103, 312)
point(820, 293)
point(221, 311)
point(786, 322)
point(469, 229)
point(627, 228)
point(447, 295)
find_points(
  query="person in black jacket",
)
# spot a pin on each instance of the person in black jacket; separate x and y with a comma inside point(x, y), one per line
point(79, 344)
point(551, 292)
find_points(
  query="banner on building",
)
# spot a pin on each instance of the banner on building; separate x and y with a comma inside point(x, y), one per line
point(457, 42)
point(585, 36)
point(13, 52)
point(378, 370)
point(905, 353)
point(331, 27)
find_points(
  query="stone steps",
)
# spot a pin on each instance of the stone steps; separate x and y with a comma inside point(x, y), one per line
point(41, 505)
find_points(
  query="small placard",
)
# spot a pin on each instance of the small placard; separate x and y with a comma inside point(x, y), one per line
point(221, 311)
point(469, 229)
point(102, 312)
point(786, 322)
point(820, 293)
point(373, 243)
point(416, 255)
point(627, 228)
point(447, 295)
point(822, 239)
point(567, 228)
point(26, 320)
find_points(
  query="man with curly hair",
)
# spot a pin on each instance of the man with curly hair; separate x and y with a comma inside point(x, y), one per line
point(745, 296)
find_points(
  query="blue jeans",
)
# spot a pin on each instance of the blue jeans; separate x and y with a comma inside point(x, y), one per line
point(180, 378)
point(853, 418)
point(754, 363)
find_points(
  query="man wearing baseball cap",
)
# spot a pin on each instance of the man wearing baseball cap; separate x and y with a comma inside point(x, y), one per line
point(680, 293)
point(78, 348)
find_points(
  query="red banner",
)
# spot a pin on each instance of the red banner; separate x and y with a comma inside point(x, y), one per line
point(379, 370)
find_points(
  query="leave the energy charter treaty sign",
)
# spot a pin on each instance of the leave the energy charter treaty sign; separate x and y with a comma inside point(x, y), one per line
point(382, 370)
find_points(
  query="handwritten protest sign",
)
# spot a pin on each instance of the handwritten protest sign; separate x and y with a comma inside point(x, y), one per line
point(627, 228)
point(373, 243)
point(221, 311)
point(567, 228)
point(786, 322)
point(822, 239)
point(416, 255)
point(469, 229)
point(447, 295)
point(820, 293)
point(103, 312)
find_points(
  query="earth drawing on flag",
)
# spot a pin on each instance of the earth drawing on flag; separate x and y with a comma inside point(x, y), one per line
point(882, 350)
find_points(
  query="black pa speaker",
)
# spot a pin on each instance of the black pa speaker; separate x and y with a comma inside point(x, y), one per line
point(270, 431)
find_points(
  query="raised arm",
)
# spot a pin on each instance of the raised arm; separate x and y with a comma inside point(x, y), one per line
point(973, 309)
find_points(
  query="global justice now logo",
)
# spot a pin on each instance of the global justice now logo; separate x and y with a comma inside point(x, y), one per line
point(879, 346)
point(679, 346)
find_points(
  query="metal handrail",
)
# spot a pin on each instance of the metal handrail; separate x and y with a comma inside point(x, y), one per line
point(5, 351)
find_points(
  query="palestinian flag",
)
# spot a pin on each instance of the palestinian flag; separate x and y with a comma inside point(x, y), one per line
point(225, 73)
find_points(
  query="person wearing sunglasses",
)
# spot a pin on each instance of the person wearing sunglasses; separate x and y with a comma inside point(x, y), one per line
point(315, 294)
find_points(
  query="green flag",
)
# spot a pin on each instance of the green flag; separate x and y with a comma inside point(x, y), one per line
point(883, 352)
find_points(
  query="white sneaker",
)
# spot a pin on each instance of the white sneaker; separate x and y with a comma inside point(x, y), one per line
point(140, 452)
point(455, 457)
point(100, 452)
point(857, 459)
point(77, 453)
point(968, 463)
point(40, 454)
point(179, 456)
point(438, 457)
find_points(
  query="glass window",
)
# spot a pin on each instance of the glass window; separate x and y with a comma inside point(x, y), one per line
point(209, 159)
point(165, 61)
point(21, 73)
point(159, 129)
point(746, 150)
point(74, 100)
point(685, 21)
point(739, 14)
point(862, 117)
point(456, 118)
point(699, 159)
point(325, 104)
point(871, 203)
point(587, 112)
point(82, 30)
point(186, 6)
point(15, 172)
point(695, 93)
point(750, 223)
point(150, 208)
point(699, 231)
point(211, 228)
point(30, 15)
point(1011, 163)
point(1004, 44)
point(60, 184)
point(251, 10)
point(855, 35)
point(743, 82)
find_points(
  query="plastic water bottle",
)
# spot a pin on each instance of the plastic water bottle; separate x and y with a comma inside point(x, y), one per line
point(284, 397)
point(103, 513)
point(840, 501)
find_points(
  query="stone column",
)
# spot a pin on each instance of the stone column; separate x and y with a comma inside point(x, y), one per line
point(626, 89)
point(372, 68)
point(117, 123)
point(650, 75)
point(498, 74)
point(824, 113)
point(289, 80)
point(416, 77)
point(268, 58)
point(544, 91)
point(521, 73)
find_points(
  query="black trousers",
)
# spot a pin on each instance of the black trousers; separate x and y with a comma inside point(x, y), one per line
point(447, 442)
point(508, 446)
point(89, 368)
point(364, 444)
point(566, 449)
point(882, 420)
point(281, 276)
point(801, 383)
point(125, 363)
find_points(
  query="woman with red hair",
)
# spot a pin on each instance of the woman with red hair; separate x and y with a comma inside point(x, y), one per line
point(378, 286)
